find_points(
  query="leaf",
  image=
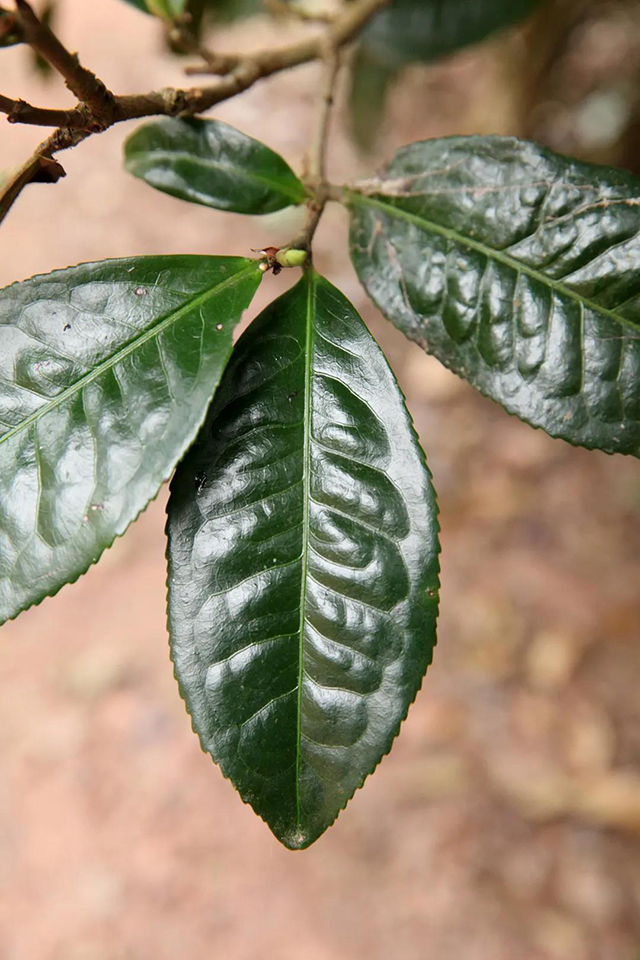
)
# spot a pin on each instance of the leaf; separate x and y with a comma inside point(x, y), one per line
point(106, 371)
point(47, 15)
point(428, 29)
point(520, 270)
point(11, 31)
point(209, 162)
point(417, 30)
point(226, 11)
point(166, 9)
point(220, 10)
point(371, 79)
point(303, 564)
point(140, 4)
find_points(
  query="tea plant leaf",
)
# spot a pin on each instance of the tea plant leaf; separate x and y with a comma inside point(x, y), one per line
point(371, 79)
point(161, 8)
point(226, 11)
point(11, 31)
point(518, 269)
point(209, 162)
point(303, 563)
point(417, 30)
point(428, 29)
point(106, 372)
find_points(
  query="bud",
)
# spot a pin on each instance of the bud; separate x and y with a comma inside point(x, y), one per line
point(290, 257)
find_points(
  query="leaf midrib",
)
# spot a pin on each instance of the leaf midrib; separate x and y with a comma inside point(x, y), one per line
point(306, 466)
point(129, 348)
point(298, 195)
point(498, 255)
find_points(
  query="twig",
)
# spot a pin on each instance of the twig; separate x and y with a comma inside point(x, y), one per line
point(19, 111)
point(82, 82)
point(316, 177)
point(318, 151)
point(99, 112)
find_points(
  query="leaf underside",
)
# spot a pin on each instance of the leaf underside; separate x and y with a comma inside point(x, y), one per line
point(106, 372)
point(518, 269)
point(303, 563)
point(212, 163)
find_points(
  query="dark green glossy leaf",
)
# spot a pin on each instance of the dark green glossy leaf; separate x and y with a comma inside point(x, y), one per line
point(303, 563)
point(209, 162)
point(161, 8)
point(427, 29)
point(140, 4)
point(106, 371)
point(520, 270)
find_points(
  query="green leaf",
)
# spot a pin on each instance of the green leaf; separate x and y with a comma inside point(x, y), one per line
point(303, 563)
point(226, 11)
point(520, 270)
point(11, 31)
point(219, 10)
point(427, 29)
point(209, 162)
point(213, 12)
point(166, 9)
point(47, 14)
point(371, 79)
point(106, 372)
point(140, 4)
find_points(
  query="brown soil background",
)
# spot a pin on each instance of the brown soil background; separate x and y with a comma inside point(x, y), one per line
point(505, 825)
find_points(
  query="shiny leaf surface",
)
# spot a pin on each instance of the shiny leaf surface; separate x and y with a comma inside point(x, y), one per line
point(106, 372)
point(303, 563)
point(427, 29)
point(209, 162)
point(520, 270)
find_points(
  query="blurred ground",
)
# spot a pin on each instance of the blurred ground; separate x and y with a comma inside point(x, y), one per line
point(505, 825)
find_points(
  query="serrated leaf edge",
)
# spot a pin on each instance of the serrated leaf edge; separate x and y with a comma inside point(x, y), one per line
point(188, 442)
point(396, 730)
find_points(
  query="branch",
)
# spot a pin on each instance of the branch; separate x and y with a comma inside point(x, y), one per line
point(98, 110)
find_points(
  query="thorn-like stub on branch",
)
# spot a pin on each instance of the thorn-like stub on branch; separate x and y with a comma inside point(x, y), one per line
point(49, 171)
point(176, 101)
